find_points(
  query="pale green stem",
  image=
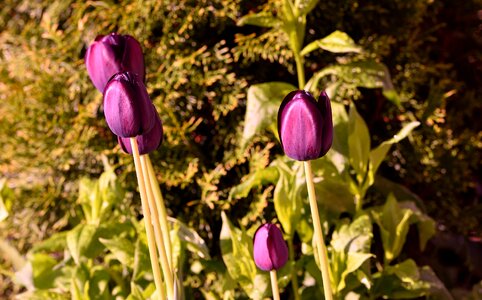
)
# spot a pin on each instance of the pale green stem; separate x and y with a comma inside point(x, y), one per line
point(274, 284)
point(147, 221)
point(161, 208)
point(300, 70)
point(320, 244)
point(161, 248)
point(294, 276)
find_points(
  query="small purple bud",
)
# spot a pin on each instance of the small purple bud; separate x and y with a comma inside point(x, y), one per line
point(305, 126)
point(269, 249)
point(112, 54)
point(127, 108)
point(147, 142)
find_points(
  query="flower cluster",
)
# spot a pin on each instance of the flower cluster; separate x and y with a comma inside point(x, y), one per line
point(115, 64)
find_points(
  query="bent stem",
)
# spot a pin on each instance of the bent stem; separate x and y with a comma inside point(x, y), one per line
point(161, 210)
point(157, 230)
point(320, 244)
point(147, 221)
point(274, 284)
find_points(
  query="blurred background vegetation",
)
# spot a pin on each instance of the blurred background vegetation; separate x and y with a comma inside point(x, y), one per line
point(199, 65)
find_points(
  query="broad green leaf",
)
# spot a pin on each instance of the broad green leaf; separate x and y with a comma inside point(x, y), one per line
point(194, 242)
point(89, 198)
point(358, 144)
point(406, 271)
point(425, 224)
point(260, 177)
point(142, 262)
point(378, 154)
point(394, 223)
point(57, 242)
point(43, 294)
point(262, 19)
point(353, 263)
point(341, 131)
point(121, 248)
point(262, 106)
point(353, 237)
point(98, 283)
point(368, 74)
point(351, 248)
point(287, 202)
point(80, 240)
point(336, 42)
point(236, 253)
point(45, 272)
point(335, 196)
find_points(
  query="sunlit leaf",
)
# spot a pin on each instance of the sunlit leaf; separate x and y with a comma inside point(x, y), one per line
point(336, 42)
point(262, 19)
point(262, 106)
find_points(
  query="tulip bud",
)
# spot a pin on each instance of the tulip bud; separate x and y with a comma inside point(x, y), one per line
point(305, 125)
point(127, 108)
point(269, 249)
point(146, 142)
point(112, 54)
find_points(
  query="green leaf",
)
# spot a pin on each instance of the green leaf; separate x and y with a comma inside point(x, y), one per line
point(358, 144)
point(56, 242)
point(122, 250)
point(394, 223)
point(142, 262)
point(425, 224)
point(378, 154)
point(45, 271)
point(262, 106)
point(236, 249)
point(336, 42)
point(287, 202)
point(335, 196)
point(351, 248)
point(194, 242)
point(341, 130)
point(98, 284)
point(367, 73)
point(260, 177)
point(80, 240)
point(262, 19)
point(438, 290)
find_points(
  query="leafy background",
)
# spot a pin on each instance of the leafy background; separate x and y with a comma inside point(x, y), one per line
point(200, 64)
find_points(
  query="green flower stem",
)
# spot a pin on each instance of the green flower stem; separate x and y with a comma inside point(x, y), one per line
point(161, 210)
point(147, 221)
point(274, 284)
point(294, 276)
point(161, 248)
point(300, 70)
point(320, 244)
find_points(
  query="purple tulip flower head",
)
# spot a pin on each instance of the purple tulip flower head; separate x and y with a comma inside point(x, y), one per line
point(112, 54)
point(146, 142)
point(269, 249)
point(127, 108)
point(305, 125)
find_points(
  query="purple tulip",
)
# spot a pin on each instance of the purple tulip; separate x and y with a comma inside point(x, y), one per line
point(127, 108)
point(146, 142)
point(305, 125)
point(112, 54)
point(269, 249)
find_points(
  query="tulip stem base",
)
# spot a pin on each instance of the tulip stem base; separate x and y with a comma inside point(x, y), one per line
point(318, 234)
point(148, 221)
point(274, 284)
point(161, 247)
point(161, 210)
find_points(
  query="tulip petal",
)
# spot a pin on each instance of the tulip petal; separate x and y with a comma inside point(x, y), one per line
point(147, 142)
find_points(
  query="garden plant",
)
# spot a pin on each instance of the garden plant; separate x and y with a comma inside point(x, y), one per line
point(231, 149)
